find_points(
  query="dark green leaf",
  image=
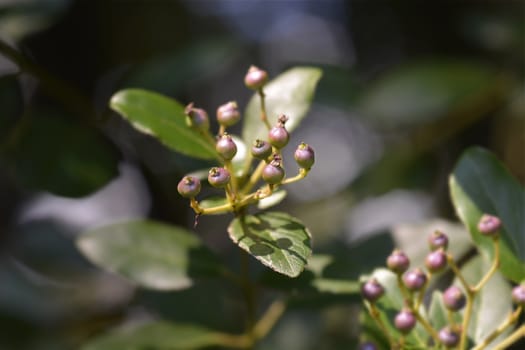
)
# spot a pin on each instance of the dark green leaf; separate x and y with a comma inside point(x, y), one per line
point(480, 184)
point(493, 303)
point(62, 157)
point(276, 239)
point(156, 336)
point(163, 118)
point(149, 253)
point(11, 104)
point(291, 93)
point(423, 91)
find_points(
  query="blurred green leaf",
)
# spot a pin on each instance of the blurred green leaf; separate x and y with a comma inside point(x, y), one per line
point(480, 184)
point(291, 93)
point(163, 118)
point(62, 157)
point(276, 239)
point(493, 303)
point(156, 336)
point(149, 253)
point(274, 199)
point(423, 91)
point(11, 103)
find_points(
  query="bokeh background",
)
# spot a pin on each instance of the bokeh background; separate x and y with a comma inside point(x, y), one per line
point(407, 86)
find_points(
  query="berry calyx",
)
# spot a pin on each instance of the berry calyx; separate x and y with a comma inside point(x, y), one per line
point(255, 78)
point(228, 114)
point(454, 299)
point(415, 279)
point(437, 239)
point(304, 156)
point(273, 173)
point(449, 337)
point(398, 262)
point(218, 177)
point(436, 260)
point(405, 321)
point(189, 187)
point(278, 136)
point(518, 295)
point(261, 149)
point(372, 290)
point(197, 117)
point(226, 147)
point(489, 225)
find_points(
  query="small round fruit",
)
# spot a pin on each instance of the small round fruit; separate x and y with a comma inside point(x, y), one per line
point(278, 136)
point(436, 261)
point(454, 299)
point(218, 177)
point(489, 225)
point(437, 239)
point(304, 156)
point(448, 337)
point(372, 290)
point(518, 295)
point(198, 118)
point(226, 147)
point(367, 346)
point(261, 149)
point(273, 173)
point(255, 78)
point(189, 187)
point(415, 279)
point(405, 321)
point(228, 114)
point(398, 262)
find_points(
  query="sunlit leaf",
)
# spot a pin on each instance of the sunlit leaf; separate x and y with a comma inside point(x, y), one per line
point(480, 184)
point(151, 254)
point(290, 93)
point(276, 239)
point(275, 198)
point(164, 119)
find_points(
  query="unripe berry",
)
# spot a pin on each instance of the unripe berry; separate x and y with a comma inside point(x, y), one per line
point(518, 295)
point(189, 187)
point(449, 337)
point(273, 173)
point(304, 156)
point(372, 290)
point(278, 136)
point(226, 147)
point(437, 239)
point(436, 260)
point(197, 118)
point(454, 299)
point(218, 177)
point(398, 262)
point(405, 321)
point(228, 114)
point(255, 78)
point(489, 225)
point(415, 279)
point(261, 149)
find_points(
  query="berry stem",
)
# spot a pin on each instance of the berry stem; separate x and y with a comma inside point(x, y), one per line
point(511, 339)
point(206, 211)
point(455, 269)
point(302, 174)
point(421, 294)
point(493, 268)
point(233, 179)
point(222, 130)
point(466, 318)
point(510, 320)
point(269, 319)
point(427, 326)
point(406, 294)
point(264, 117)
point(256, 175)
point(376, 316)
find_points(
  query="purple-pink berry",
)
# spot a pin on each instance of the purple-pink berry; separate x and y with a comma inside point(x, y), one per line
point(304, 156)
point(273, 173)
point(398, 262)
point(228, 114)
point(372, 290)
point(255, 78)
point(436, 261)
point(218, 177)
point(414, 279)
point(518, 295)
point(449, 337)
point(405, 321)
point(226, 147)
point(197, 117)
point(261, 149)
point(489, 225)
point(437, 239)
point(454, 299)
point(189, 187)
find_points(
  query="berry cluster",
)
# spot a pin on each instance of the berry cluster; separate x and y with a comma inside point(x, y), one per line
point(238, 188)
point(413, 284)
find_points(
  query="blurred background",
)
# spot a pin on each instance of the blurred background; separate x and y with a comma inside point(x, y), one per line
point(407, 86)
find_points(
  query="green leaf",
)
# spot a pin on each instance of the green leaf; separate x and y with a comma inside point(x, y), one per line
point(156, 336)
point(276, 239)
point(163, 118)
point(58, 155)
point(149, 253)
point(480, 184)
point(493, 303)
point(424, 91)
point(291, 93)
point(214, 201)
point(274, 199)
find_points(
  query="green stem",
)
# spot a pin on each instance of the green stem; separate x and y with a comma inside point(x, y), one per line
point(376, 316)
point(206, 211)
point(511, 339)
point(256, 175)
point(466, 318)
point(458, 273)
point(510, 320)
point(269, 319)
point(302, 174)
point(493, 268)
point(427, 326)
point(264, 116)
